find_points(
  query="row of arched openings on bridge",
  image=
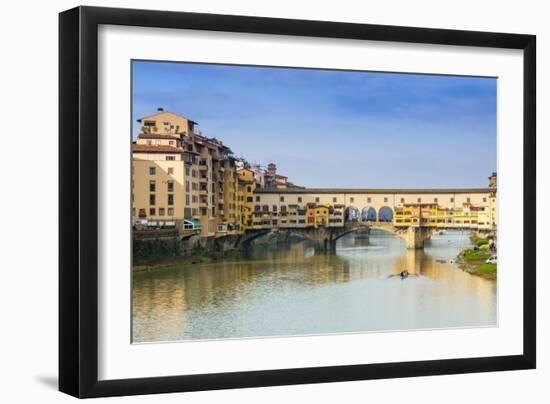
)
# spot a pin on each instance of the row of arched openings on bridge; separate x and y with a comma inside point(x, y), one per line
point(368, 214)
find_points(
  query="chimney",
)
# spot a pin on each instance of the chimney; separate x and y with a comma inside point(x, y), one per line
point(493, 180)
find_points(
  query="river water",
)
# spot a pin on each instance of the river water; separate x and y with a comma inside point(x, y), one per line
point(291, 290)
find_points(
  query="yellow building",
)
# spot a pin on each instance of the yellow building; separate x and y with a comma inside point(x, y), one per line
point(245, 197)
point(321, 215)
point(432, 215)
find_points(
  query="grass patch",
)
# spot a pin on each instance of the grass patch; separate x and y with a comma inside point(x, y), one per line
point(473, 255)
point(488, 268)
point(479, 241)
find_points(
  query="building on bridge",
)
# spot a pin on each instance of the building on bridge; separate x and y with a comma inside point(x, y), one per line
point(471, 208)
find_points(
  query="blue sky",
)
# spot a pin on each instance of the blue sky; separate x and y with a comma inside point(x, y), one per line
point(326, 128)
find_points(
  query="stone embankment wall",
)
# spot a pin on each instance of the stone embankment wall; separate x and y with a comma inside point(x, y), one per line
point(152, 249)
point(146, 249)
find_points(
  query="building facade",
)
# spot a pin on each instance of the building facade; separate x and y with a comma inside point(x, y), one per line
point(449, 208)
point(179, 175)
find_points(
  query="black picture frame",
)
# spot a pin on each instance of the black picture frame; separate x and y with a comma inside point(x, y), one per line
point(78, 201)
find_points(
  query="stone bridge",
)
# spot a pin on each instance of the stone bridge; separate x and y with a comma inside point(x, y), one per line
point(325, 238)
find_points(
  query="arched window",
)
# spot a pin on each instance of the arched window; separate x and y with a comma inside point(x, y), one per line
point(385, 214)
point(368, 214)
point(352, 214)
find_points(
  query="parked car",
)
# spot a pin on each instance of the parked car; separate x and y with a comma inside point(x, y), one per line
point(491, 260)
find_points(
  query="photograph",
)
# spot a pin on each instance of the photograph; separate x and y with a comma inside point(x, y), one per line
point(276, 201)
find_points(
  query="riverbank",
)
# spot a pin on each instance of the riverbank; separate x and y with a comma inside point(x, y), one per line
point(162, 252)
point(473, 260)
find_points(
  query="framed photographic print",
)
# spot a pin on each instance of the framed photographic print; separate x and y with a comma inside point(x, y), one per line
point(250, 201)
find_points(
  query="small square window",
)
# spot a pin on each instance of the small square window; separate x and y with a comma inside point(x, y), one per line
point(152, 170)
point(170, 170)
point(152, 212)
point(170, 211)
point(161, 211)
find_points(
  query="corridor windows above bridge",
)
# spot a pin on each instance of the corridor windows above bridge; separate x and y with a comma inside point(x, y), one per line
point(282, 198)
point(299, 199)
point(385, 214)
point(257, 198)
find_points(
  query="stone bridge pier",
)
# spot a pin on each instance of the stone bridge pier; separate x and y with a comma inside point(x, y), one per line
point(416, 236)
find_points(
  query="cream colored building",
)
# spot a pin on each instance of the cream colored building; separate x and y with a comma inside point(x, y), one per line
point(178, 175)
point(157, 182)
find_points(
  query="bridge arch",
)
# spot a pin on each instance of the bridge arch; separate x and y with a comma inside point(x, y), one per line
point(385, 214)
point(368, 214)
point(351, 214)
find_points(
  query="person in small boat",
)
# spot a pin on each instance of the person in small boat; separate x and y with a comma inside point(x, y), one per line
point(403, 274)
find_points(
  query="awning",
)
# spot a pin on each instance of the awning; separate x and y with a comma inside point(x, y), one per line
point(195, 222)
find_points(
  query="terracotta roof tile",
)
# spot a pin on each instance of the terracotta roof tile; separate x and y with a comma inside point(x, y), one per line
point(156, 148)
point(158, 136)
